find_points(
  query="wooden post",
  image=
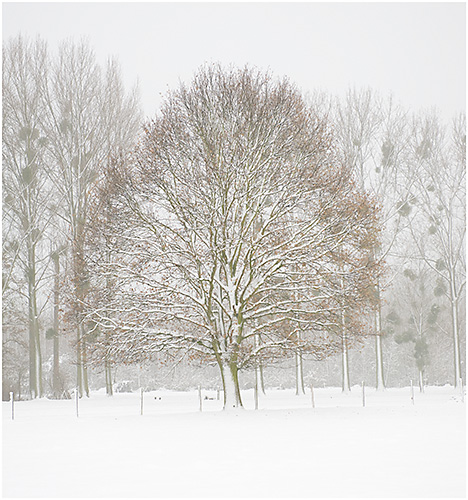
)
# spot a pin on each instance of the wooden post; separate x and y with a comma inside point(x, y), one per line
point(12, 399)
point(363, 394)
point(256, 396)
point(412, 392)
point(141, 400)
point(312, 395)
point(77, 397)
point(200, 397)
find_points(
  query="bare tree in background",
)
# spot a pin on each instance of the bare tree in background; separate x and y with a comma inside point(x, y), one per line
point(439, 157)
point(25, 188)
point(89, 116)
point(229, 224)
point(373, 135)
point(62, 118)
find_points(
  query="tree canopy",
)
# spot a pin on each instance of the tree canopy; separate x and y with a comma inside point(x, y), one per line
point(233, 231)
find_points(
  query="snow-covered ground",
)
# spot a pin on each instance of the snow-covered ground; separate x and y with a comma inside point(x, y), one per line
point(389, 448)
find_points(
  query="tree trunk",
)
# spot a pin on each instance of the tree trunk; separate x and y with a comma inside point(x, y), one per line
point(230, 378)
point(380, 383)
point(107, 362)
point(38, 353)
point(85, 367)
point(79, 381)
point(345, 383)
point(19, 386)
point(257, 381)
point(455, 332)
point(56, 385)
point(421, 381)
point(456, 344)
point(79, 277)
point(107, 368)
point(260, 384)
point(33, 389)
point(262, 380)
point(35, 360)
point(81, 371)
point(299, 375)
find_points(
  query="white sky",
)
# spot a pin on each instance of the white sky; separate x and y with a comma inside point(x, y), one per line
point(417, 51)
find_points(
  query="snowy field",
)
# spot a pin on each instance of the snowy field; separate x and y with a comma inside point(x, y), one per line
point(389, 448)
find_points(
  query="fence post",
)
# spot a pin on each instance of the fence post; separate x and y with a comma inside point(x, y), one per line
point(77, 397)
point(312, 395)
point(12, 399)
point(141, 400)
point(363, 394)
point(200, 397)
point(412, 392)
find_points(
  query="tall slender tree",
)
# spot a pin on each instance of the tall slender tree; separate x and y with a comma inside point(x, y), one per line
point(25, 187)
point(89, 117)
point(373, 135)
point(439, 156)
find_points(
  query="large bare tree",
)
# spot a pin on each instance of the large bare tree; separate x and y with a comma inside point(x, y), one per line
point(237, 232)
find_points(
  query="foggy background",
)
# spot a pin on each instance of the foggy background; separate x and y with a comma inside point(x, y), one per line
point(387, 417)
point(417, 51)
point(414, 51)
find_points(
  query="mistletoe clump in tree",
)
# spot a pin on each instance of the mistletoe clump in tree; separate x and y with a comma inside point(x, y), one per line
point(235, 231)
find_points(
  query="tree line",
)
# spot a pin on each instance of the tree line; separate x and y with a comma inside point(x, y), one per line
point(63, 116)
point(244, 225)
